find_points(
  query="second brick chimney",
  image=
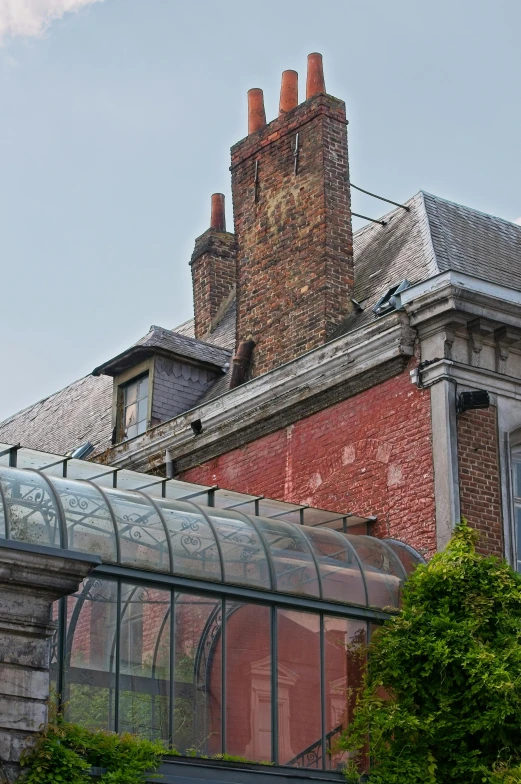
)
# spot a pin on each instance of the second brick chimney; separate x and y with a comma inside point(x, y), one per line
point(292, 214)
point(213, 270)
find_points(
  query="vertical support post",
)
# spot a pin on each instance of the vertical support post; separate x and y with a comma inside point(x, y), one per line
point(274, 688)
point(445, 458)
point(117, 655)
point(62, 631)
point(171, 728)
point(323, 692)
point(223, 675)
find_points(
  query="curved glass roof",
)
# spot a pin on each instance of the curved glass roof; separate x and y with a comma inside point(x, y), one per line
point(179, 537)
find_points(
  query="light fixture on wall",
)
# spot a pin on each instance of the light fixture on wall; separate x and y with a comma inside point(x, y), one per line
point(468, 401)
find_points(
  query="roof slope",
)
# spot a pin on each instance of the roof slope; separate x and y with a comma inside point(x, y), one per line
point(434, 235)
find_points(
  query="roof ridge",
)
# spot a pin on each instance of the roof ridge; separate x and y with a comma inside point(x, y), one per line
point(155, 327)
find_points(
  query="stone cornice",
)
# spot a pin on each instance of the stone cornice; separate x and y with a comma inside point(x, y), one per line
point(311, 382)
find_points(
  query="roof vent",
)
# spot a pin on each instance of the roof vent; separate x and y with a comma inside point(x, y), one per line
point(390, 300)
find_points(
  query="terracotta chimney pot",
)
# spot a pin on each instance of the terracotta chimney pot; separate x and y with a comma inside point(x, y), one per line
point(315, 83)
point(256, 113)
point(218, 216)
point(288, 92)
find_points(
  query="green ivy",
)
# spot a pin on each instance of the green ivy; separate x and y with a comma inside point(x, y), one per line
point(441, 702)
point(64, 752)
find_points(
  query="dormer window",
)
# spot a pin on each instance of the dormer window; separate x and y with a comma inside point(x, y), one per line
point(134, 407)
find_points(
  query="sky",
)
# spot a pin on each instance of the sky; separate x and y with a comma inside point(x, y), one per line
point(118, 116)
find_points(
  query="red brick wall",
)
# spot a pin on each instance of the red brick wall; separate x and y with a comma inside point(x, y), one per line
point(480, 492)
point(213, 276)
point(294, 236)
point(370, 454)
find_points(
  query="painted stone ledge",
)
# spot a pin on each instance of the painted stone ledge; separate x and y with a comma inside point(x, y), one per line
point(32, 578)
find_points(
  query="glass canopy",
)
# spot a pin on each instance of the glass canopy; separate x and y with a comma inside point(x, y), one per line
point(134, 528)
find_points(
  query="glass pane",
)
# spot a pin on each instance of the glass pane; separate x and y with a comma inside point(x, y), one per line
point(142, 410)
point(131, 432)
point(144, 662)
point(248, 681)
point(90, 528)
point(32, 514)
point(408, 558)
point(298, 665)
point(518, 532)
point(382, 569)
point(130, 393)
point(294, 566)
point(344, 657)
point(141, 534)
point(342, 580)
point(516, 468)
point(32, 458)
point(197, 674)
point(243, 552)
point(142, 387)
point(193, 543)
point(90, 665)
point(131, 415)
point(141, 427)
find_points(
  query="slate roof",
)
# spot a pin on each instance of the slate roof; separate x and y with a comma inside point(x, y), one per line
point(434, 236)
point(166, 342)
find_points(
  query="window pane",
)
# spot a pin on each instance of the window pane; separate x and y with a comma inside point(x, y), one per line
point(90, 528)
point(243, 553)
point(90, 665)
point(344, 656)
point(32, 515)
point(340, 572)
point(131, 415)
point(518, 532)
point(197, 674)
point(142, 385)
point(193, 543)
point(382, 569)
point(142, 410)
point(131, 432)
point(140, 530)
point(294, 565)
point(141, 427)
point(130, 393)
point(248, 681)
point(144, 662)
point(300, 724)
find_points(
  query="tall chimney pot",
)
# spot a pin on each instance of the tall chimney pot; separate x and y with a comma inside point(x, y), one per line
point(315, 83)
point(256, 113)
point(288, 92)
point(218, 216)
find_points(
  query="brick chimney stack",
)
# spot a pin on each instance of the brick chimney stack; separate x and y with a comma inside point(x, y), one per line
point(292, 215)
point(213, 270)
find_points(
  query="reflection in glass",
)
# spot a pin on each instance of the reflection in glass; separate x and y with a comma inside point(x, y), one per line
point(194, 549)
point(342, 579)
point(90, 528)
point(344, 659)
point(144, 662)
point(244, 556)
point(140, 530)
point(298, 678)
point(295, 568)
point(32, 514)
point(382, 570)
point(248, 681)
point(197, 673)
point(90, 663)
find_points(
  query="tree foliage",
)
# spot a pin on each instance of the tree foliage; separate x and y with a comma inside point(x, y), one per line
point(441, 701)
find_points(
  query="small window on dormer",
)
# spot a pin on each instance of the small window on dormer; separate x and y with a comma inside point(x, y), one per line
point(134, 407)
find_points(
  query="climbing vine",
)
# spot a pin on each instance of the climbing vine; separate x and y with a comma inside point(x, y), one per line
point(441, 702)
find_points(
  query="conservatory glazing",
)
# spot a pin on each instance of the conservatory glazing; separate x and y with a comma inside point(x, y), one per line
point(217, 621)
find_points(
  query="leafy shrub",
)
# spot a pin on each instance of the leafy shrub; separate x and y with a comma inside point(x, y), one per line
point(441, 702)
point(64, 753)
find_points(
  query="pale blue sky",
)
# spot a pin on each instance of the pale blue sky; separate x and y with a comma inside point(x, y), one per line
point(117, 123)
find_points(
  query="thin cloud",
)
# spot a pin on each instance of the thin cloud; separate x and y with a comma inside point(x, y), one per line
point(33, 17)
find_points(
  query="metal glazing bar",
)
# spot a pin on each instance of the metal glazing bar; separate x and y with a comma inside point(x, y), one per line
point(13, 456)
point(60, 654)
point(171, 686)
point(103, 473)
point(257, 505)
point(165, 528)
point(288, 511)
point(394, 558)
point(242, 593)
point(118, 656)
point(301, 516)
point(112, 517)
point(381, 198)
point(323, 692)
point(242, 503)
point(271, 566)
point(274, 687)
point(56, 462)
point(223, 675)
point(199, 492)
point(7, 519)
point(373, 220)
point(8, 450)
point(59, 509)
point(211, 497)
point(151, 484)
point(214, 532)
